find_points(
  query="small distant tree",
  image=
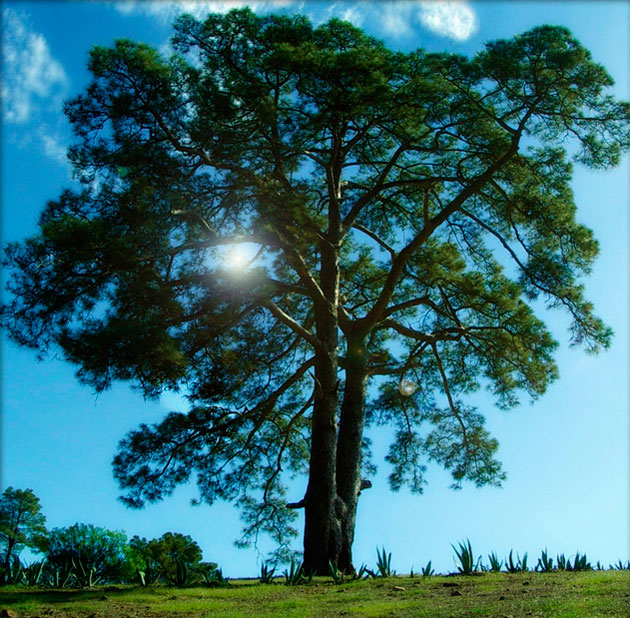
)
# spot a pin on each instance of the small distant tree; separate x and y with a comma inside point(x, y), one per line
point(22, 524)
point(157, 559)
point(170, 548)
point(88, 549)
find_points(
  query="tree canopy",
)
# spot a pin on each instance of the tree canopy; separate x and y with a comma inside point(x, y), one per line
point(90, 553)
point(22, 524)
point(401, 212)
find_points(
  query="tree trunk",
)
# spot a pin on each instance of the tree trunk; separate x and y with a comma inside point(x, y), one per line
point(349, 446)
point(322, 531)
point(322, 536)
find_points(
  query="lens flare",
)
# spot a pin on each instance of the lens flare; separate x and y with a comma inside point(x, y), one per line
point(237, 258)
point(407, 387)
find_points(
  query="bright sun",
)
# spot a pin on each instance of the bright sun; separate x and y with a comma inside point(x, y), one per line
point(237, 257)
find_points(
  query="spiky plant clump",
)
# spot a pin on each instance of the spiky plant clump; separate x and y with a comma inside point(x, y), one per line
point(465, 558)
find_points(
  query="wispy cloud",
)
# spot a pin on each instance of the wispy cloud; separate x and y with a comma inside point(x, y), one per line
point(353, 12)
point(53, 146)
point(451, 18)
point(167, 10)
point(455, 19)
point(395, 19)
point(31, 77)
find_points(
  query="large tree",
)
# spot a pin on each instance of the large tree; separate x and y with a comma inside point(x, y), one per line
point(402, 212)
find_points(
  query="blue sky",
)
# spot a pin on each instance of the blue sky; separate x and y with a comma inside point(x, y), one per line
point(567, 456)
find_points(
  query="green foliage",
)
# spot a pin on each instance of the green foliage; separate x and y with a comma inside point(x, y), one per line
point(427, 571)
point(296, 575)
point(173, 558)
point(219, 579)
point(339, 577)
point(465, 562)
point(562, 562)
point(495, 563)
point(13, 573)
point(266, 573)
point(210, 574)
point(22, 524)
point(580, 563)
point(516, 567)
point(140, 563)
point(592, 594)
point(372, 184)
point(335, 573)
point(57, 575)
point(384, 563)
point(545, 562)
point(85, 576)
point(182, 573)
point(33, 572)
point(85, 555)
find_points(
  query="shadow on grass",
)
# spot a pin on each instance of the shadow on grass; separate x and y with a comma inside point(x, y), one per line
point(14, 595)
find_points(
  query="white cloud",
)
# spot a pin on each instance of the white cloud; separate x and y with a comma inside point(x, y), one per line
point(53, 147)
point(353, 12)
point(167, 10)
point(395, 19)
point(452, 18)
point(31, 77)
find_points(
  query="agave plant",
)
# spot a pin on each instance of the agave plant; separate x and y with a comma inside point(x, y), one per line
point(335, 573)
point(620, 566)
point(33, 572)
point(58, 575)
point(296, 575)
point(561, 562)
point(427, 571)
point(266, 573)
point(13, 573)
point(516, 567)
point(84, 576)
point(495, 563)
point(182, 574)
point(465, 558)
point(545, 563)
point(384, 563)
point(362, 573)
point(580, 563)
point(150, 574)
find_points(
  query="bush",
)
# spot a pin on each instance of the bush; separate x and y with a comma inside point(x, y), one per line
point(86, 555)
point(173, 558)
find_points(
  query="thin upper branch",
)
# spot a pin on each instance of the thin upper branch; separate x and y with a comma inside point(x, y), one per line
point(297, 328)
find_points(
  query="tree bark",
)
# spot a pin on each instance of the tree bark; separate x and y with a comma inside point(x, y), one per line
point(349, 446)
point(322, 536)
point(322, 531)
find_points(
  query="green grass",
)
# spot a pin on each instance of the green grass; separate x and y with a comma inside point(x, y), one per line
point(593, 594)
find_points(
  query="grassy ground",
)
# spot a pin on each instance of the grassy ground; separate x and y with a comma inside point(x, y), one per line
point(559, 594)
